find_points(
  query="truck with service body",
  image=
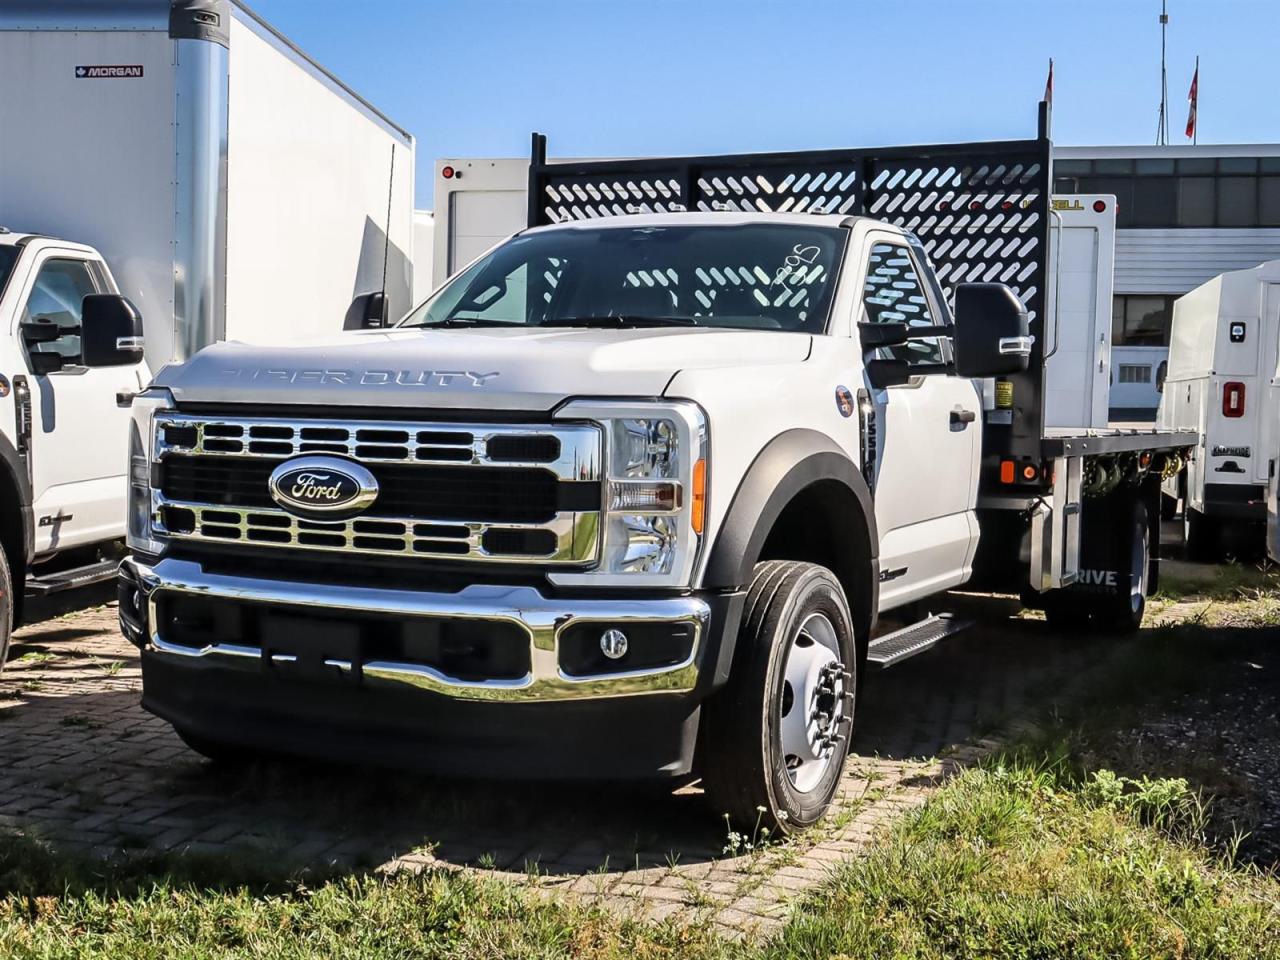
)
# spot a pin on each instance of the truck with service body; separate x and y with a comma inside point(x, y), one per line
point(199, 164)
point(645, 490)
point(1223, 357)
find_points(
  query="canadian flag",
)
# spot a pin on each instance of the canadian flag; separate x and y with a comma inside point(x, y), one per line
point(1192, 96)
point(1048, 84)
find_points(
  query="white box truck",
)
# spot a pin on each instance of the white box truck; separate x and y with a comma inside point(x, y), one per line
point(186, 156)
point(237, 189)
point(1222, 371)
point(482, 201)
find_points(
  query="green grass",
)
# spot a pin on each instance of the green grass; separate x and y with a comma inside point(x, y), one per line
point(1005, 862)
point(1023, 862)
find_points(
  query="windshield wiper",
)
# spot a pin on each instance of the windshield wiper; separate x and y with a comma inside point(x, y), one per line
point(452, 322)
point(621, 321)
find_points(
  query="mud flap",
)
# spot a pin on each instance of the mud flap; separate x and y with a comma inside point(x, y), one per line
point(1105, 545)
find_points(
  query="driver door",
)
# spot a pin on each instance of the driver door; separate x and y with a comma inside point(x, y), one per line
point(929, 439)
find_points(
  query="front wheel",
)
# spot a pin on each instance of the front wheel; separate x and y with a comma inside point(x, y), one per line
point(6, 607)
point(776, 737)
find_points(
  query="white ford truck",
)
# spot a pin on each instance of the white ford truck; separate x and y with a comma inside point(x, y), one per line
point(645, 490)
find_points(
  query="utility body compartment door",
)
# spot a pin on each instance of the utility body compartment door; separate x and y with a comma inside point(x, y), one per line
point(928, 438)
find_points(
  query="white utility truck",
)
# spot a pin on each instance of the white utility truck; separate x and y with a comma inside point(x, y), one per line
point(644, 490)
point(1223, 357)
point(187, 156)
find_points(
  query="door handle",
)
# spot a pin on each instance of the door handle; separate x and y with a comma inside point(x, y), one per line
point(962, 416)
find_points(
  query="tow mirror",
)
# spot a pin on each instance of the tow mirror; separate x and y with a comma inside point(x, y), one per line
point(992, 334)
point(873, 336)
point(368, 311)
point(110, 331)
point(888, 373)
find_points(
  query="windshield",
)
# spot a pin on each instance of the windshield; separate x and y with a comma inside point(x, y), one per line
point(8, 257)
point(770, 276)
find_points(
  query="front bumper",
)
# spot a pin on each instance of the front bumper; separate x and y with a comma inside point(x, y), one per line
point(282, 688)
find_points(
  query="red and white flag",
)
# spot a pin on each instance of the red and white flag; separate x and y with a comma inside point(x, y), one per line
point(1048, 85)
point(1192, 96)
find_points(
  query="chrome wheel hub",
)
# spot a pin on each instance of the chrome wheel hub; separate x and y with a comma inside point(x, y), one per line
point(816, 699)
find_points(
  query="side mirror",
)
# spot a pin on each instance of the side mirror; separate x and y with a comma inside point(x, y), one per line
point(110, 331)
point(368, 311)
point(888, 373)
point(36, 332)
point(992, 334)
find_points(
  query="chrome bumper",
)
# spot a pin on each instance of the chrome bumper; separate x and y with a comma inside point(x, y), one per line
point(543, 619)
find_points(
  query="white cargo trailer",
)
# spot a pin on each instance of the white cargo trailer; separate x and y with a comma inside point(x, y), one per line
point(480, 202)
point(1222, 374)
point(237, 189)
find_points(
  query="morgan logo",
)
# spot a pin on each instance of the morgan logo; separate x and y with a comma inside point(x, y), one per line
point(107, 71)
point(323, 487)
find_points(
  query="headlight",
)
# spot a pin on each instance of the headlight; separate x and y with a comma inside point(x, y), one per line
point(140, 534)
point(655, 457)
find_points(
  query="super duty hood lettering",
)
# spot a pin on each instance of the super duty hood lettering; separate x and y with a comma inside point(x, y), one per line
point(373, 378)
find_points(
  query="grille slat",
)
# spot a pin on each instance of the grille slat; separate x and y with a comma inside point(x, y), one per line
point(509, 492)
point(492, 494)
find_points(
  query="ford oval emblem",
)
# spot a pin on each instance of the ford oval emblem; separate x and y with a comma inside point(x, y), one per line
point(322, 488)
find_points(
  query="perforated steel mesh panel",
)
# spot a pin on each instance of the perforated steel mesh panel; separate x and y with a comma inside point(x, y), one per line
point(979, 222)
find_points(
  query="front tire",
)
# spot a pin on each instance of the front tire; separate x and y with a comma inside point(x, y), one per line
point(7, 586)
point(776, 737)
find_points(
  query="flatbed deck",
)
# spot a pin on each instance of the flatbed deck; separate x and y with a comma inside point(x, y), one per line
point(1116, 438)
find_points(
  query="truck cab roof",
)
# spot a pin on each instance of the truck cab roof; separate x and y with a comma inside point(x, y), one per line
point(714, 218)
point(9, 238)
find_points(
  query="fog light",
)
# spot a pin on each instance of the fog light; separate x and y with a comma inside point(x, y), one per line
point(613, 644)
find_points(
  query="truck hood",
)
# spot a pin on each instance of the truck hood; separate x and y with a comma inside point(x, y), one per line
point(471, 369)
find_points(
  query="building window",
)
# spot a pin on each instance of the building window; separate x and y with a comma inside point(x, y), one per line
point(1141, 320)
point(1187, 192)
point(1135, 373)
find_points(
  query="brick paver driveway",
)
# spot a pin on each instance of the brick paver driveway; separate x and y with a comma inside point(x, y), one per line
point(82, 766)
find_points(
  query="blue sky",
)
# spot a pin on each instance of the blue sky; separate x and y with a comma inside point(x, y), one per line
point(624, 77)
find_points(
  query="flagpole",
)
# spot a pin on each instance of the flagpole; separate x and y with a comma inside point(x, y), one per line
point(1162, 131)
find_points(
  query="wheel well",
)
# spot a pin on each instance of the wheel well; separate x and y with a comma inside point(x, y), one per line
point(823, 524)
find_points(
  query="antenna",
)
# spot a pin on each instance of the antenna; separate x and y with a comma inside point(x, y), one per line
point(1162, 129)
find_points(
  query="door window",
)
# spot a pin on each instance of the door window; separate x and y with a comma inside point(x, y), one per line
point(56, 298)
point(894, 293)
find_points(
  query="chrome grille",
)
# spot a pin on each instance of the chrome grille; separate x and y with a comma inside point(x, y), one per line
point(495, 492)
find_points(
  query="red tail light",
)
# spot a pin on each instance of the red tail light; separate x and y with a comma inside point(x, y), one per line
point(1233, 399)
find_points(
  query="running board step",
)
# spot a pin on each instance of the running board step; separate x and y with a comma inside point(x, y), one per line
point(902, 644)
point(71, 579)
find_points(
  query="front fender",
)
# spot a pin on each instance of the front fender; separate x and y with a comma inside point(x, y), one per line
point(790, 464)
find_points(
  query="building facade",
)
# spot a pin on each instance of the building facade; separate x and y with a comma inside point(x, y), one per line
point(1184, 214)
